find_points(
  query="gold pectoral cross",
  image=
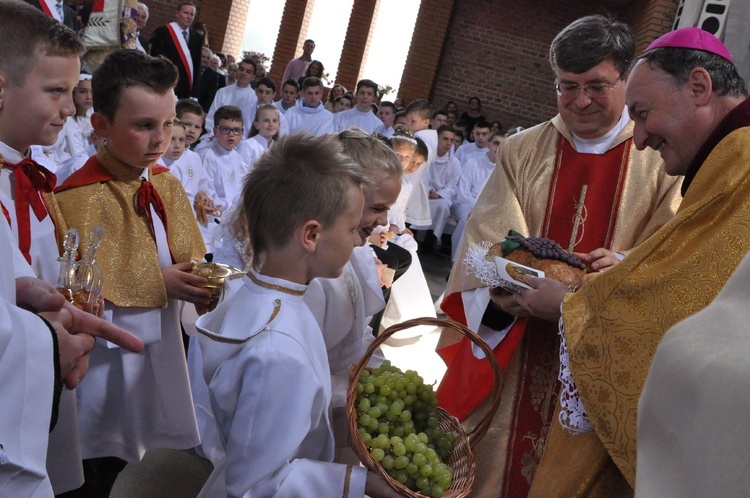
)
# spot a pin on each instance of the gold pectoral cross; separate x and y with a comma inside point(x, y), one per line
point(578, 219)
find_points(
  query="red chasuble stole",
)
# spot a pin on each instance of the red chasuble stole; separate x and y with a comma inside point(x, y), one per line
point(468, 380)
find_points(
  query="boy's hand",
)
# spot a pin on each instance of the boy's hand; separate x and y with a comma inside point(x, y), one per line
point(376, 487)
point(183, 285)
point(434, 195)
point(211, 208)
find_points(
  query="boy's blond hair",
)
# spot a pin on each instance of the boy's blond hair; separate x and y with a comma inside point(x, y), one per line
point(375, 157)
point(27, 33)
point(301, 178)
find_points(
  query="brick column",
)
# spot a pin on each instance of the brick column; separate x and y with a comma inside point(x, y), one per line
point(235, 30)
point(426, 49)
point(357, 42)
point(292, 34)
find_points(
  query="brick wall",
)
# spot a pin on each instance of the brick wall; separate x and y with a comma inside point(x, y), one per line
point(292, 34)
point(356, 42)
point(423, 59)
point(497, 50)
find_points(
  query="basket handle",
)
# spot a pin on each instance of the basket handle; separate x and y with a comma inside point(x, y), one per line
point(481, 428)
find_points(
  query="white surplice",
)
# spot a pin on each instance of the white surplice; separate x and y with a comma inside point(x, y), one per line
point(263, 358)
point(244, 98)
point(315, 120)
point(225, 171)
point(252, 148)
point(27, 370)
point(366, 121)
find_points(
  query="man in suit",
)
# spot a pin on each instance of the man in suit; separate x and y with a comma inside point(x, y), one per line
point(182, 45)
point(57, 10)
point(210, 81)
point(140, 23)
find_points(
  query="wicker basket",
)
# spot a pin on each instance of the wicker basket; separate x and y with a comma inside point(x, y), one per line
point(462, 456)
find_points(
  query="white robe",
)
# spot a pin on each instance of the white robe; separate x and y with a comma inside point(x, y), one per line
point(442, 177)
point(244, 98)
point(270, 397)
point(63, 462)
point(418, 209)
point(315, 120)
point(73, 164)
point(225, 171)
point(189, 170)
point(27, 370)
point(366, 121)
point(129, 403)
point(251, 149)
point(386, 132)
point(468, 151)
point(76, 134)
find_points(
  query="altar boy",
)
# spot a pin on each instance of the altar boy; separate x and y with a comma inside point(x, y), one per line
point(263, 355)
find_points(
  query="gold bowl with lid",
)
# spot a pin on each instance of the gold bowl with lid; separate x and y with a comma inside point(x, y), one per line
point(217, 275)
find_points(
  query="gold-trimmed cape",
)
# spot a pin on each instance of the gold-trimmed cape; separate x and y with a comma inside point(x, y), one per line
point(103, 193)
point(614, 323)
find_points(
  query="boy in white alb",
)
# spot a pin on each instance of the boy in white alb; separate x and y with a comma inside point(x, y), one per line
point(419, 115)
point(310, 115)
point(241, 95)
point(262, 355)
point(441, 182)
point(470, 150)
point(361, 116)
point(474, 175)
point(386, 114)
point(289, 93)
point(222, 163)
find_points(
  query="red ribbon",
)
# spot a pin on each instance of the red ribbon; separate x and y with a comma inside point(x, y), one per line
point(146, 197)
point(30, 180)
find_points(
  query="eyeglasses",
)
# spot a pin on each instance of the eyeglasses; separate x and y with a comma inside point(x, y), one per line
point(225, 130)
point(571, 90)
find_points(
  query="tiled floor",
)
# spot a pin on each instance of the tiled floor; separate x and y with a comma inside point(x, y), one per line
point(178, 474)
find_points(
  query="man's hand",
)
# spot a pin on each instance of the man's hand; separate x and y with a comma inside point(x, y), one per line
point(183, 285)
point(37, 295)
point(544, 301)
point(507, 301)
point(74, 348)
point(599, 259)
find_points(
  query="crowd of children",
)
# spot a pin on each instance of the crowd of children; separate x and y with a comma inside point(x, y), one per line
point(314, 204)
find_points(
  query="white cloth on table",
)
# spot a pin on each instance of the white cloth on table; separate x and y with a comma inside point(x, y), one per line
point(269, 431)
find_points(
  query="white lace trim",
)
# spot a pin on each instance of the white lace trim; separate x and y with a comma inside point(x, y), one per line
point(476, 262)
point(572, 413)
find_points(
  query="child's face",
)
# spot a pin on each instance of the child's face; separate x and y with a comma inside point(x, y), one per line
point(417, 160)
point(289, 94)
point(34, 112)
point(265, 94)
point(404, 152)
point(228, 133)
point(439, 121)
point(386, 115)
point(452, 117)
point(416, 122)
point(457, 139)
point(193, 127)
point(337, 91)
point(492, 147)
point(481, 137)
point(267, 123)
point(445, 140)
point(365, 98)
point(141, 129)
point(82, 97)
point(377, 204)
point(401, 120)
point(312, 95)
point(245, 74)
point(338, 240)
point(342, 105)
point(177, 144)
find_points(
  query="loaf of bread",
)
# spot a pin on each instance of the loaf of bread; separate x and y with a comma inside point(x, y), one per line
point(545, 255)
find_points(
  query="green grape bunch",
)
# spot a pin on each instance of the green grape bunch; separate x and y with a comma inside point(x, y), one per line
point(398, 421)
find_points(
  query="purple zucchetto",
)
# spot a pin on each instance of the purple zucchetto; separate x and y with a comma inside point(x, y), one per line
point(692, 38)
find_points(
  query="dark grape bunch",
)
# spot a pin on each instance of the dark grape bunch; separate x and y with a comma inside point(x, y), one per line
point(399, 425)
point(544, 248)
